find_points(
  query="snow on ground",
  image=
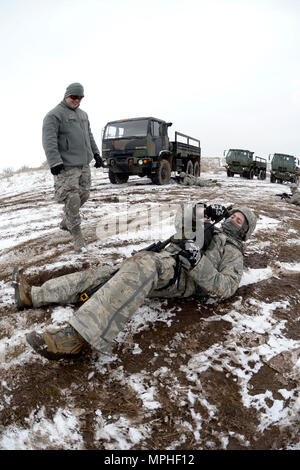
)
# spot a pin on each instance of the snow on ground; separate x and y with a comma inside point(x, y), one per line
point(183, 375)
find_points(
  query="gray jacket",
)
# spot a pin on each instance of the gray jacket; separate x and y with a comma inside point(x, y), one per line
point(67, 137)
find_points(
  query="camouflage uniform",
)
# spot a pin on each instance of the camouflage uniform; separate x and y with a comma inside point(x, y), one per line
point(191, 180)
point(68, 141)
point(72, 188)
point(145, 274)
point(295, 198)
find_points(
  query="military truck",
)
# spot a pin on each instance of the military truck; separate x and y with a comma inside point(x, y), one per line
point(243, 163)
point(284, 168)
point(141, 146)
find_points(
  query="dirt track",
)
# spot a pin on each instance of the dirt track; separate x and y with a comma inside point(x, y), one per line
point(222, 375)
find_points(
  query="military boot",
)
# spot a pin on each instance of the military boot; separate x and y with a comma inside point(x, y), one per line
point(22, 290)
point(57, 344)
point(78, 240)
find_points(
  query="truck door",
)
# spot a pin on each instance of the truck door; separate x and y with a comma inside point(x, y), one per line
point(157, 137)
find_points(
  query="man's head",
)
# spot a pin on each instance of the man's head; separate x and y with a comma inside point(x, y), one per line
point(293, 188)
point(240, 223)
point(74, 94)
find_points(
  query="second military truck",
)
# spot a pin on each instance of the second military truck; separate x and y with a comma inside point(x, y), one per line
point(284, 168)
point(243, 163)
point(141, 146)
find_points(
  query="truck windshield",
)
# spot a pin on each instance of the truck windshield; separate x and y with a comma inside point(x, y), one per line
point(125, 129)
point(283, 158)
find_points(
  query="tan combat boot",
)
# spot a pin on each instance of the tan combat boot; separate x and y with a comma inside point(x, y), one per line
point(78, 240)
point(57, 344)
point(22, 290)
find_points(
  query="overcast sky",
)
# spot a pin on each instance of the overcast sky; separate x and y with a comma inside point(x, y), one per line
point(224, 71)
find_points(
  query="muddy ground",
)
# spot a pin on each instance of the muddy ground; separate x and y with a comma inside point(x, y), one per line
point(202, 376)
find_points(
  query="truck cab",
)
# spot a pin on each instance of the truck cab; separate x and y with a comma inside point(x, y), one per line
point(284, 168)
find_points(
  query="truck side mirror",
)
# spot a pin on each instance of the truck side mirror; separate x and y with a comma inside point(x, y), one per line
point(169, 124)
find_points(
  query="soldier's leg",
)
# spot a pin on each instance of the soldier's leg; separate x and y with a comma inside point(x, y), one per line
point(65, 289)
point(84, 184)
point(102, 317)
point(66, 186)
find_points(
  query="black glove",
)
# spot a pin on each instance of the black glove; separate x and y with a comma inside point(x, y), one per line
point(285, 196)
point(190, 255)
point(99, 161)
point(55, 170)
point(215, 212)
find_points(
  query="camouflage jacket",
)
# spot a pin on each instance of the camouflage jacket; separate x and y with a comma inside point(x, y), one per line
point(219, 270)
point(67, 137)
point(295, 199)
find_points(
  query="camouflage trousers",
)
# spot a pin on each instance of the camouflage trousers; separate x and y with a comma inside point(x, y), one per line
point(191, 180)
point(72, 188)
point(102, 317)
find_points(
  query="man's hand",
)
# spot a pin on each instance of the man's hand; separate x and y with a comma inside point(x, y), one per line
point(190, 255)
point(215, 212)
point(99, 161)
point(55, 170)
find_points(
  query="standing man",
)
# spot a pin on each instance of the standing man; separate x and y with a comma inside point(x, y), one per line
point(70, 147)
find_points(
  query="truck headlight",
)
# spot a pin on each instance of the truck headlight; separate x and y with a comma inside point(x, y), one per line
point(140, 162)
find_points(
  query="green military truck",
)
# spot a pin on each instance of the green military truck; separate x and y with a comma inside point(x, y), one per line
point(243, 163)
point(284, 168)
point(141, 146)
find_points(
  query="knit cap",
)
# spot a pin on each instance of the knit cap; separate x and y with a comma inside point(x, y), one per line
point(74, 89)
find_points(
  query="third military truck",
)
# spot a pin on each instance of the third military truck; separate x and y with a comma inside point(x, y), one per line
point(284, 168)
point(244, 163)
point(141, 146)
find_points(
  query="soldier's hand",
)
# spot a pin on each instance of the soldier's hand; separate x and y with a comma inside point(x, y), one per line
point(215, 212)
point(55, 170)
point(99, 161)
point(190, 255)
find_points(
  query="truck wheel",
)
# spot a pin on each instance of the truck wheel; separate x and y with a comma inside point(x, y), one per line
point(163, 173)
point(229, 173)
point(251, 174)
point(189, 168)
point(260, 175)
point(197, 169)
point(115, 178)
point(272, 179)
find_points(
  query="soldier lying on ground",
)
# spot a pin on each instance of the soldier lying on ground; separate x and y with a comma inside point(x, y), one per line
point(295, 198)
point(180, 270)
point(191, 180)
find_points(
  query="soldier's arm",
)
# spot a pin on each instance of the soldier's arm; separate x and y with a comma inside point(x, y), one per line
point(50, 140)
point(224, 281)
point(92, 140)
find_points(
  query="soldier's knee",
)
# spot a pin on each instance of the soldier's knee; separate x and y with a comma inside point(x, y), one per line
point(73, 202)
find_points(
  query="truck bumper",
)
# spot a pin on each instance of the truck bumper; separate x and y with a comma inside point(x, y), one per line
point(131, 165)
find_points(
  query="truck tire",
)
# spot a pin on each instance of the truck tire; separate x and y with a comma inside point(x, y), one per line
point(230, 173)
point(272, 179)
point(189, 168)
point(116, 178)
point(163, 173)
point(251, 174)
point(261, 175)
point(196, 169)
